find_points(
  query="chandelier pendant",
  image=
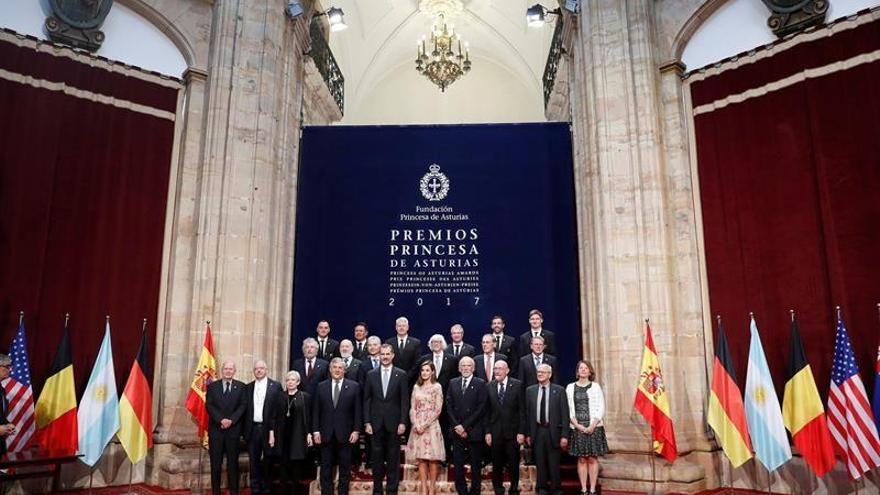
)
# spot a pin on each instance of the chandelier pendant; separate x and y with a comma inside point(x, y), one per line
point(446, 62)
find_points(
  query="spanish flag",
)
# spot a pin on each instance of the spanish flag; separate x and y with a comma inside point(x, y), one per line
point(652, 401)
point(727, 415)
point(136, 408)
point(56, 407)
point(802, 410)
point(206, 372)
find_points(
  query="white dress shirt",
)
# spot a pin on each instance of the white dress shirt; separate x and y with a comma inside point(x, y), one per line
point(259, 398)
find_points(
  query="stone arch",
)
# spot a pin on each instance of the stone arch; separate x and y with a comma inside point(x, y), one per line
point(152, 11)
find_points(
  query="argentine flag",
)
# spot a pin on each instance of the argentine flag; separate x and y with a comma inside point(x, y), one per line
point(763, 414)
point(98, 414)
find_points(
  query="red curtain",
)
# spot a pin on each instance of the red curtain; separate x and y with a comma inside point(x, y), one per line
point(789, 182)
point(83, 191)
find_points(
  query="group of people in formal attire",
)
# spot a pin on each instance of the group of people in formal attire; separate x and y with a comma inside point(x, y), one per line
point(452, 404)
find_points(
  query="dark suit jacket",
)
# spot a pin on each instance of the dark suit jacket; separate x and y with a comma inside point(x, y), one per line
point(229, 406)
point(290, 432)
point(508, 419)
point(392, 409)
point(466, 350)
point(448, 369)
point(4, 409)
point(510, 349)
point(356, 371)
point(480, 365)
point(319, 374)
point(337, 422)
point(331, 349)
point(406, 358)
point(359, 354)
point(467, 408)
point(270, 408)
point(368, 364)
point(558, 417)
point(529, 375)
point(549, 342)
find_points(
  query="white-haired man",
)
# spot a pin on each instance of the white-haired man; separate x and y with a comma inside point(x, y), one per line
point(311, 368)
point(406, 349)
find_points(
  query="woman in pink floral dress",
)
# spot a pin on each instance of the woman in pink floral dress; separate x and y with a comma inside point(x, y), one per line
point(425, 445)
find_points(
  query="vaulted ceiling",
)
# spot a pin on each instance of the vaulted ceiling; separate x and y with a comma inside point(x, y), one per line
point(380, 46)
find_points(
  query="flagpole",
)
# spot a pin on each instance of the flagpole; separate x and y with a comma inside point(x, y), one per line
point(21, 317)
point(651, 446)
point(201, 441)
point(130, 473)
point(91, 476)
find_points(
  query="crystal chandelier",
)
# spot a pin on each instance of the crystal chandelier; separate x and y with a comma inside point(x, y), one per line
point(446, 62)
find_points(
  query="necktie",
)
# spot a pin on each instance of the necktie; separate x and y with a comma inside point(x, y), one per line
point(360, 347)
point(537, 361)
point(375, 363)
point(488, 366)
point(335, 394)
point(346, 362)
point(501, 392)
point(322, 346)
point(464, 384)
point(457, 349)
point(309, 368)
point(385, 379)
point(226, 388)
point(497, 342)
point(401, 344)
point(437, 364)
point(542, 405)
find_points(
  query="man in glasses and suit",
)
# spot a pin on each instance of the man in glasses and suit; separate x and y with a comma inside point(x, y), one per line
point(225, 403)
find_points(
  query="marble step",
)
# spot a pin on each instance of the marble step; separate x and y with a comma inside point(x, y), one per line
point(361, 482)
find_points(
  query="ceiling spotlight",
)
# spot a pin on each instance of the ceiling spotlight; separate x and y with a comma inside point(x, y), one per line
point(572, 6)
point(294, 9)
point(336, 17)
point(535, 15)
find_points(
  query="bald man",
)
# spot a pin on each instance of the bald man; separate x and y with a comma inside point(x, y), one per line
point(225, 403)
point(262, 397)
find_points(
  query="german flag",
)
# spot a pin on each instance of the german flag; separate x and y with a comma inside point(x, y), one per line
point(652, 400)
point(802, 410)
point(727, 414)
point(136, 408)
point(56, 407)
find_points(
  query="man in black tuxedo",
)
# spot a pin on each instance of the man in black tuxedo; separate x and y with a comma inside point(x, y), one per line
point(354, 367)
point(6, 428)
point(311, 368)
point(536, 320)
point(262, 398)
point(361, 333)
point(505, 344)
point(466, 406)
point(547, 429)
point(458, 348)
point(225, 403)
point(386, 414)
point(444, 364)
point(528, 364)
point(407, 350)
point(505, 427)
point(336, 420)
point(327, 348)
point(484, 362)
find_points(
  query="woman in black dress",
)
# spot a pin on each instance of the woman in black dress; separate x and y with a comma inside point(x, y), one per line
point(586, 404)
point(294, 436)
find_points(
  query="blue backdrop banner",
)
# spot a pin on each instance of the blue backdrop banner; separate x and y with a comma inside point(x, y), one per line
point(441, 224)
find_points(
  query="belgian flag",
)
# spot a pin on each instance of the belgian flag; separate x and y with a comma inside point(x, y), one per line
point(726, 411)
point(802, 410)
point(136, 408)
point(56, 407)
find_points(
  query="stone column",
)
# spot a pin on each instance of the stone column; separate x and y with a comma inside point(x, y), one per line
point(638, 246)
point(232, 237)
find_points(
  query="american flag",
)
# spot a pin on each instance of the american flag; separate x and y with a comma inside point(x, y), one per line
point(20, 394)
point(849, 412)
